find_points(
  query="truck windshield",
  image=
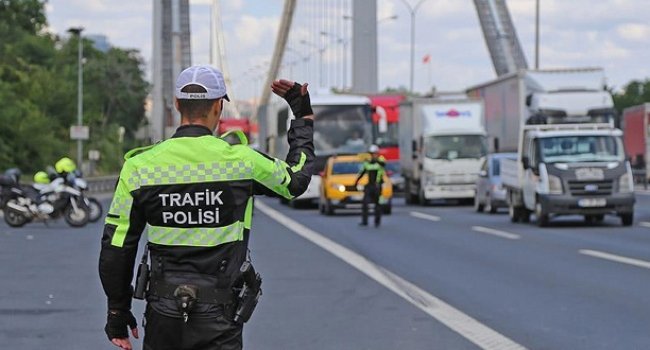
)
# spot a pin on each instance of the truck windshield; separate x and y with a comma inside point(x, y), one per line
point(389, 138)
point(592, 148)
point(342, 129)
point(455, 146)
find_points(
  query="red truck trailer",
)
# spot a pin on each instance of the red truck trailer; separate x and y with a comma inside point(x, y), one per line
point(636, 121)
point(231, 124)
point(385, 118)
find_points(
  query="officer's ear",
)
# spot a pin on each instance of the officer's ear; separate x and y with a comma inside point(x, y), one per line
point(176, 103)
point(217, 107)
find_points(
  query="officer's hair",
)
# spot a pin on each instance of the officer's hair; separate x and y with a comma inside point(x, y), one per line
point(194, 109)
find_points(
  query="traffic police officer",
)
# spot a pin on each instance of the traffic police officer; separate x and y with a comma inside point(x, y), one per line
point(195, 191)
point(374, 168)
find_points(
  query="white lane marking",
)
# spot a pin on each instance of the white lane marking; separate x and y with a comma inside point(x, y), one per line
point(424, 216)
point(644, 224)
point(495, 232)
point(616, 258)
point(468, 327)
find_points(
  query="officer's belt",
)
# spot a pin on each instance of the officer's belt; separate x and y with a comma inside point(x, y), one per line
point(207, 295)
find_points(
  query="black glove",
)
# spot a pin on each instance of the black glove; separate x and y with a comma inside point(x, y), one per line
point(300, 104)
point(117, 322)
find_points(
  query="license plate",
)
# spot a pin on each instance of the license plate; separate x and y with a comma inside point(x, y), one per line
point(356, 198)
point(592, 202)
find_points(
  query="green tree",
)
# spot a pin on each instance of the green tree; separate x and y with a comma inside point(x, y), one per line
point(22, 16)
point(634, 93)
point(38, 92)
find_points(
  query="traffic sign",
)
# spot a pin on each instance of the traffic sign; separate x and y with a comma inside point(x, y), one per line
point(79, 132)
point(93, 154)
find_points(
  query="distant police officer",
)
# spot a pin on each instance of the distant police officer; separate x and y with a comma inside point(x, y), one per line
point(195, 193)
point(374, 169)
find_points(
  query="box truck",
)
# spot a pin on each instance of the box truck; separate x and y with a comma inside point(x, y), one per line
point(441, 144)
point(636, 124)
point(570, 156)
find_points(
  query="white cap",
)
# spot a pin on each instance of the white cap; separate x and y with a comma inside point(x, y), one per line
point(373, 149)
point(205, 76)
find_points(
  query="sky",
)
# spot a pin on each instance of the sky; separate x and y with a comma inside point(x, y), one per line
point(613, 34)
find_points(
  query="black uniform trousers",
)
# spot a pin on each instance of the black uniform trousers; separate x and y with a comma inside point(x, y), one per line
point(170, 333)
point(371, 194)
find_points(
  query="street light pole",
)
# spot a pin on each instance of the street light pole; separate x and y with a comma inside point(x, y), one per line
point(77, 31)
point(412, 10)
point(537, 34)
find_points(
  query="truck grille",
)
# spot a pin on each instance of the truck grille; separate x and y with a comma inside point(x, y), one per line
point(591, 188)
point(455, 179)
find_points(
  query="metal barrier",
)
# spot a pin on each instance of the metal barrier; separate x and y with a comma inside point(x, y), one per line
point(102, 184)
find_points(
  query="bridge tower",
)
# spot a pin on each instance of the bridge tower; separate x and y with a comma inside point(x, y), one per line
point(171, 54)
point(500, 36)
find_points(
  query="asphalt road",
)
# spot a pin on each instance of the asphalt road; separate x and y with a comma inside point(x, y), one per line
point(435, 277)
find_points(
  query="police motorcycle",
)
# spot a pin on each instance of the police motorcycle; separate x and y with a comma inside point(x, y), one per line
point(75, 179)
point(67, 169)
point(41, 201)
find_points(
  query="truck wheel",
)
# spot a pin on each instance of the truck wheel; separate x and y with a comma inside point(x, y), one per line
point(542, 216)
point(525, 215)
point(627, 219)
point(408, 196)
point(421, 198)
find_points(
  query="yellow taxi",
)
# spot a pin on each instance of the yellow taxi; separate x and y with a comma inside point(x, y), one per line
point(337, 189)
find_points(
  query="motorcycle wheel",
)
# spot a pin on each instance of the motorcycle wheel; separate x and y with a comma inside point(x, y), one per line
point(14, 218)
point(76, 218)
point(96, 210)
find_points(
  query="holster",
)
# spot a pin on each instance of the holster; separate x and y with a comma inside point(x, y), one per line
point(249, 294)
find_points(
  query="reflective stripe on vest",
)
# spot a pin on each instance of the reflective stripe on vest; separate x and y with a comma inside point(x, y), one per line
point(196, 236)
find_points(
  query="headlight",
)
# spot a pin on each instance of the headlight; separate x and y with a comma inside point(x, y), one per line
point(338, 187)
point(554, 184)
point(625, 183)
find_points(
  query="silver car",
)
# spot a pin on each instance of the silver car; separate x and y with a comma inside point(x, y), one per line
point(490, 194)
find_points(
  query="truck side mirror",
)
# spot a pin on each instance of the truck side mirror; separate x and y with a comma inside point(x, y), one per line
point(414, 146)
point(525, 161)
point(529, 100)
point(496, 144)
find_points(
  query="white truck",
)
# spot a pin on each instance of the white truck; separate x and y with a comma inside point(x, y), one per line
point(441, 144)
point(571, 159)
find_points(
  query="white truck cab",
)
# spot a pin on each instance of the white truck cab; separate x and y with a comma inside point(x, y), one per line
point(569, 169)
point(442, 143)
